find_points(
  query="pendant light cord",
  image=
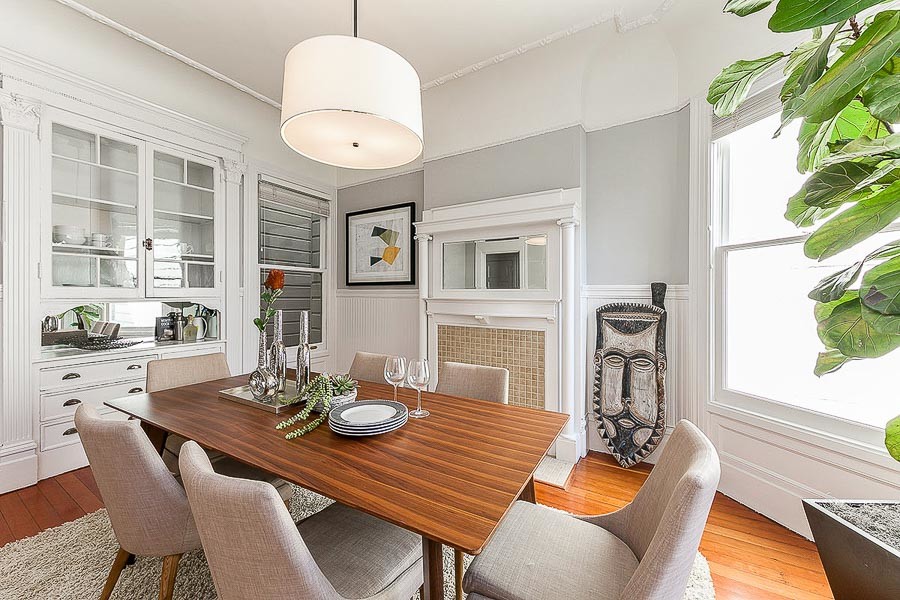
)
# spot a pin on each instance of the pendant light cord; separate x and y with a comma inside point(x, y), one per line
point(355, 31)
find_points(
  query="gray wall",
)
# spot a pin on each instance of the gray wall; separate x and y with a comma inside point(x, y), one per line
point(542, 162)
point(374, 194)
point(636, 208)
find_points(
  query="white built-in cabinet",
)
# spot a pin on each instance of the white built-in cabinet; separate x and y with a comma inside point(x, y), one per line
point(106, 197)
point(125, 217)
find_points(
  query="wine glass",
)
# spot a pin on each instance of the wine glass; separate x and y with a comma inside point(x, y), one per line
point(417, 377)
point(395, 372)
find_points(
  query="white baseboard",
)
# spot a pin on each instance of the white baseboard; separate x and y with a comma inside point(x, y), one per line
point(61, 460)
point(766, 492)
point(18, 468)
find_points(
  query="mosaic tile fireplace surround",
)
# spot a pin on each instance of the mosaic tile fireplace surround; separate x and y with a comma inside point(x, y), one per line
point(519, 350)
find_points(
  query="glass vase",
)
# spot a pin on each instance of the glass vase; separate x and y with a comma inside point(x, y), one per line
point(278, 354)
point(263, 383)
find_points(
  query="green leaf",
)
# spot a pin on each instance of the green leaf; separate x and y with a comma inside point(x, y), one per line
point(830, 361)
point(888, 146)
point(846, 77)
point(892, 437)
point(846, 330)
point(855, 224)
point(795, 15)
point(795, 66)
point(814, 138)
point(882, 94)
point(817, 62)
point(833, 287)
point(880, 290)
point(259, 323)
point(802, 215)
point(836, 184)
point(887, 324)
point(742, 8)
point(823, 310)
point(730, 88)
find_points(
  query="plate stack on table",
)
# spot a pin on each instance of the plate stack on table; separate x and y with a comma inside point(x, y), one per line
point(369, 417)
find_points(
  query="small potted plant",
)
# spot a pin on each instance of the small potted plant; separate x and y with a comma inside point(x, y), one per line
point(321, 395)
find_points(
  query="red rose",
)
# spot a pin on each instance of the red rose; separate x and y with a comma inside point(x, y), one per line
point(275, 280)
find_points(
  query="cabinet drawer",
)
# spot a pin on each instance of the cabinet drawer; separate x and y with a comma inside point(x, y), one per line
point(65, 434)
point(77, 376)
point(62, 404)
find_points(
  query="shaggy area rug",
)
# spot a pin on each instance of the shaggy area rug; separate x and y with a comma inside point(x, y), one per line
point(70, 562)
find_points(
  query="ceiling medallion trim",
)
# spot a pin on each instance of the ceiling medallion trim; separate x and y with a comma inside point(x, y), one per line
point(622, 26)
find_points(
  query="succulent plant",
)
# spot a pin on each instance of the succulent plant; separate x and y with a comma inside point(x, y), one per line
point(343, 384)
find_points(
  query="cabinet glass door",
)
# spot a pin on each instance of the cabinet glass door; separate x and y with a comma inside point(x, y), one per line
point(183, 218)
point(95, 183)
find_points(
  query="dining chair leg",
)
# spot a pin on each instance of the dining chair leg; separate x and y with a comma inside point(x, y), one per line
point(167, 581)
point(119, 563)
point(458, 559)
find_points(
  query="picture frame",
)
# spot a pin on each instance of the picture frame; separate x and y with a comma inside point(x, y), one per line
point(380, 246)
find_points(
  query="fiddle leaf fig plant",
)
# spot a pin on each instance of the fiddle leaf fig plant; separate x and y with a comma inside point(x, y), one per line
point(843, 84)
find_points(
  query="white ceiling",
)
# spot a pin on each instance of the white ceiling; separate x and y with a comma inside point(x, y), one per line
point(246, 40)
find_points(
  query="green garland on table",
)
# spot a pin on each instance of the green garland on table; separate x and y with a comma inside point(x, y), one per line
point(318, 390)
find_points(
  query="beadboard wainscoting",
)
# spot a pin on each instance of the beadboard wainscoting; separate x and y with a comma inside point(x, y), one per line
point(678, 375)
point(382, 321)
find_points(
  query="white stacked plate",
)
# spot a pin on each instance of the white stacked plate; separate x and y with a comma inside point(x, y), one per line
point(369, 417)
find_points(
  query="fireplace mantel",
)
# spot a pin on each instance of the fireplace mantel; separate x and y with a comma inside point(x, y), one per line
point(555, 311)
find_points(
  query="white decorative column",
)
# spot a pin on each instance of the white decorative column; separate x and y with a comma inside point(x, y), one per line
point(20, 122)
point(233, 174)
point(567, 446)
point(424, 277)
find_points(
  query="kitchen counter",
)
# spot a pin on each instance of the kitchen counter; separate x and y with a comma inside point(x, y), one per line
point(51, 353)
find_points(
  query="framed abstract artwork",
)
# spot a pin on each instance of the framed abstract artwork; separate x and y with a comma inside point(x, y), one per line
point(380, 246)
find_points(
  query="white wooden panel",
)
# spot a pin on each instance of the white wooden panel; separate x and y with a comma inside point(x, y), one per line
point(376, 321)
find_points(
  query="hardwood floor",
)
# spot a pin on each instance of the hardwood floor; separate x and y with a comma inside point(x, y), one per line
point(750, 556)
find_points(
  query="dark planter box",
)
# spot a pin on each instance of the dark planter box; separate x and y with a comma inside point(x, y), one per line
point(858, 565)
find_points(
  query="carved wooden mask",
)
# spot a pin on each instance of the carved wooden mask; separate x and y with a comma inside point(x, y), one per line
point(629, 380)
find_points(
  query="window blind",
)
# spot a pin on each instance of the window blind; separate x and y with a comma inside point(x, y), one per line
point(276, 194)
point(755, 108)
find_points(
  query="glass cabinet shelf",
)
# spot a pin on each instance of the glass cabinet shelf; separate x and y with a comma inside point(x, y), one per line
point(126, 218)
point(95, 183)
point(183, 222)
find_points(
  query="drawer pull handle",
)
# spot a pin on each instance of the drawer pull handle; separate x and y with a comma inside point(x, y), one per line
point(135, 390)
point(72, 402)
point(72, 375)
point(132, 367)
point(70, 431)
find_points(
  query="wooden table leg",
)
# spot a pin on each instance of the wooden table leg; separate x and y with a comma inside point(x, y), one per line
point(527, 494)
point(157, 436)
point(433, 563)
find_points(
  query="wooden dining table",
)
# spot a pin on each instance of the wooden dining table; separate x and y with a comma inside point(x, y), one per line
point(450, 477)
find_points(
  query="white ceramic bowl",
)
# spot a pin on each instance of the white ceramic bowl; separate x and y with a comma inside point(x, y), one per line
point(69, 234)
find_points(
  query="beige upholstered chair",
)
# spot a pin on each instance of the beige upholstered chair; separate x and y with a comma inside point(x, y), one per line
point(176, 372)
point(474, 381)
point(368, 366)
point(255, 550)
point(481, 383)
point(149, 511)
point(644, 551)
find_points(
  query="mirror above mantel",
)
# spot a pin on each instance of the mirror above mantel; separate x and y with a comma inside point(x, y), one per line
point(505, 263)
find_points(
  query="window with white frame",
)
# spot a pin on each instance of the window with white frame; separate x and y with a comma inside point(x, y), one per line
point(292, 226)
point(766, 333)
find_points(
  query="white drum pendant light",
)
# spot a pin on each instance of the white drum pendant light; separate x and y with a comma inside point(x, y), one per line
point(349, 102)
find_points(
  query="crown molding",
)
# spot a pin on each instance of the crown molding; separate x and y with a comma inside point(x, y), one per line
point(94, 15)
point(622, 26)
